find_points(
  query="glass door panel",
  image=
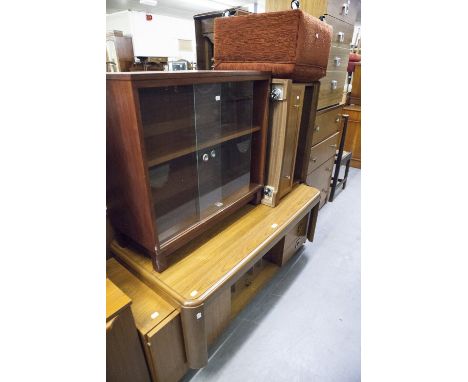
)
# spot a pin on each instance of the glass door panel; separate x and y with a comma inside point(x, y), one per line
point(167, 116)
point(207, 101)
point(236, 122)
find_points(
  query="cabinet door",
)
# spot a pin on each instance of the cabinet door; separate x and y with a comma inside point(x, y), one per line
point(290, 141)
point(167, 116)
point(223, 125)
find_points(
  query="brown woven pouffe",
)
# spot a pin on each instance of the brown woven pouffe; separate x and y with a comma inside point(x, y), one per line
point(290, 44)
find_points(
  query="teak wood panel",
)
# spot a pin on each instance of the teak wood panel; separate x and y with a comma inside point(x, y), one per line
point(217, 315)
point(128, 192)
point(330, 95)
point(323, 151)
point(145, 301)
point(327, 123)
point(320, 179)
point(124, 354)
point(165, 350)
point(285, 119)
point(116, 300)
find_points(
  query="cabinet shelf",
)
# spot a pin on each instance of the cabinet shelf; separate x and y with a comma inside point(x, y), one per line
point(175, 150)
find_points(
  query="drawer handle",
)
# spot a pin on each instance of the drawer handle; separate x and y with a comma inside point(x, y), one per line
point(337, 119)
point(314, 160)
point(333, 145)
point(337, 61)
point(287, 176)
point(205, 157)
point(334, 84)
point(345, 9)
point(340, 36)
point(317, 128)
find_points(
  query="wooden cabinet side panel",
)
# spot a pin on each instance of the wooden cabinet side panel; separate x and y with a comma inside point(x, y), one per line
point(128, 194)
point(217, 315)
point(166, 350)
point(124, 354)
point(276, 140)
point(291, 139)
point(259, 139)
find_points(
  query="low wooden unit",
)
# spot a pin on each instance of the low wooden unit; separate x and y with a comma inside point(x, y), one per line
point(283, 134)
point(158, 324)
point(184, 150)
point(199, 280)
point(124, 354)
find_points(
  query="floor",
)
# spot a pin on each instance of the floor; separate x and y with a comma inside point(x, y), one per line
point(306, 324)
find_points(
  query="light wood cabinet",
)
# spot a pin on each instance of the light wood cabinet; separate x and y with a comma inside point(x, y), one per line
point(285, 121)
point(158, 324)
point(124, 354)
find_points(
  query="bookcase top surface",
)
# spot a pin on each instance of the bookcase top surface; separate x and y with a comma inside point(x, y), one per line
point(188, 74)
point(204, 265)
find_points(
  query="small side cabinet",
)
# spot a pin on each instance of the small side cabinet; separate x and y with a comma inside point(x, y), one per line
point(158, 324)
point(124, 354)
point(285, 120)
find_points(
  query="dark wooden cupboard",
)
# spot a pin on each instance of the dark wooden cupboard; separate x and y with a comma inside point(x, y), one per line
point(184, 149)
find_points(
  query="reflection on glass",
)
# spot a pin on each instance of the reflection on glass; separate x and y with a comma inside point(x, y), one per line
point(198, 146)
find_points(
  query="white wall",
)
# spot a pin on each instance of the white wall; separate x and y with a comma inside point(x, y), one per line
point(158, 37)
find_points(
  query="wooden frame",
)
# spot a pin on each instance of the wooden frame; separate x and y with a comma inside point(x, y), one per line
point(217, 259)
point(129, 197)
point(283, 135)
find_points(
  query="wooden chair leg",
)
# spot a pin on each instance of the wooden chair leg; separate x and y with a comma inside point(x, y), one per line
point(348, 163)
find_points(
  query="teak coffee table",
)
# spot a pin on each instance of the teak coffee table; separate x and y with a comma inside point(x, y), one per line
point(199, 279)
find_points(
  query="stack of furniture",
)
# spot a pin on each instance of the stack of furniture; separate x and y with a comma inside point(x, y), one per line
point(190, 157)
point(119, 52)
point(204, 34)
point(294, 46)
point(321, 125)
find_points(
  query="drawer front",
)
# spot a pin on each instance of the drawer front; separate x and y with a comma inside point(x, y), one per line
point(320, 179)
point(331, 89)
point(327, 124)
point(296, 234)
point(322, 152)
point(290, 140)
point(342, 32)
point(338, 59)
point(345, 10)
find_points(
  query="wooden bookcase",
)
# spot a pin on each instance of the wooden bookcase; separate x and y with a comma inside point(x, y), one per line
point(184, 150)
